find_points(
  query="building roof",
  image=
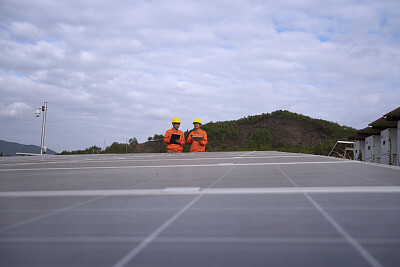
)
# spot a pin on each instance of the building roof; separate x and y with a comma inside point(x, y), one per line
point(393, 115)
point(389, 120)
point(383, 123)
point(364, 133)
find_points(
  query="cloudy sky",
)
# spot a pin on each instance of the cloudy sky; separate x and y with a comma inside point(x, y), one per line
point(112, 70)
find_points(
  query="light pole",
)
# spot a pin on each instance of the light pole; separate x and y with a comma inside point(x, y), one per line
point(44, 109)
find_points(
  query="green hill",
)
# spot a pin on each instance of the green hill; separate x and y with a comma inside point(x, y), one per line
point(279, 130)
point(11, 148)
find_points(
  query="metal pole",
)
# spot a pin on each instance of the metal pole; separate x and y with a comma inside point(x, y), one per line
point(44, 108)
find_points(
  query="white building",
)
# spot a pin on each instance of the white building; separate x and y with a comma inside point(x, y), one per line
point(388, 139)
point(381, 140)
point(373, 149)
point(389, 146)
point(394, 118)
point(359, 150)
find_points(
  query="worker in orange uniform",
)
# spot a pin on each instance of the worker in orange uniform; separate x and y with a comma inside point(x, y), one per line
point(197, 138)
point(174, 138)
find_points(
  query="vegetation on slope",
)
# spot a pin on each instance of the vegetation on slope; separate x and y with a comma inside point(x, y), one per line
point(279, 130)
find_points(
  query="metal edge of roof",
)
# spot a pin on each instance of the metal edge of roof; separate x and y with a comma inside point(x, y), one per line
point(364, 133)
point(369, 130)
point(395, 112)
point(383, 123)
point(378, 125)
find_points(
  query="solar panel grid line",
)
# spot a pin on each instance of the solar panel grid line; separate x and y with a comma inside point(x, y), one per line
point(260, 209)
point(300, 190)
point(72, 239)
point(381, 241)
point(186, 239)
point(196, 239)
point(363, 252)
point(271, 157)
point(248, 153)
point(206, 209)
point(273, 240)
point(205, 191)
point(238, 209)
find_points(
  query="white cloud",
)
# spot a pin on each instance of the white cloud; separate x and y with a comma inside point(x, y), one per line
point(14, 110)
point(24, 31)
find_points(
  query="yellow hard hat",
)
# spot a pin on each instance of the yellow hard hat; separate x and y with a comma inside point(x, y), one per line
point(176, 120)
point(197, 121)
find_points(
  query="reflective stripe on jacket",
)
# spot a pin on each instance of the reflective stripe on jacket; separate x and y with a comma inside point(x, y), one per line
point(176, 148)
point(197, 146)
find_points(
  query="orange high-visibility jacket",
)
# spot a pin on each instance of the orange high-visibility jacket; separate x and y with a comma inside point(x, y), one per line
point(176, 148)
point(197, 146)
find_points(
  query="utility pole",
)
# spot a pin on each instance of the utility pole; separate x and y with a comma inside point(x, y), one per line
point(44, 109)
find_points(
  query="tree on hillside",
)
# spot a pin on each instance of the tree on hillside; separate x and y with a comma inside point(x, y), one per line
point(90, 150)
point(260, 139)
point(133, 141)
point(95, 149)
point(117, 148)
point(156, 137)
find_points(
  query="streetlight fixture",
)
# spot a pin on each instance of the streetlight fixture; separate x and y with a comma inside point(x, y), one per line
point(44, 109)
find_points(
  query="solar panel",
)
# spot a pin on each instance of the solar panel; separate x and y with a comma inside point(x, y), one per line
point(260, 208)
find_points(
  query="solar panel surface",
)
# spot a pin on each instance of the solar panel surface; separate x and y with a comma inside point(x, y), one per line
point(202, 209)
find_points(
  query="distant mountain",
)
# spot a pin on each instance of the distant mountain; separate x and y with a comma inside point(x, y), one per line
point(11, 148)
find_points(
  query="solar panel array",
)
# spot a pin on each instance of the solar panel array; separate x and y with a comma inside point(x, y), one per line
point(202, 209)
